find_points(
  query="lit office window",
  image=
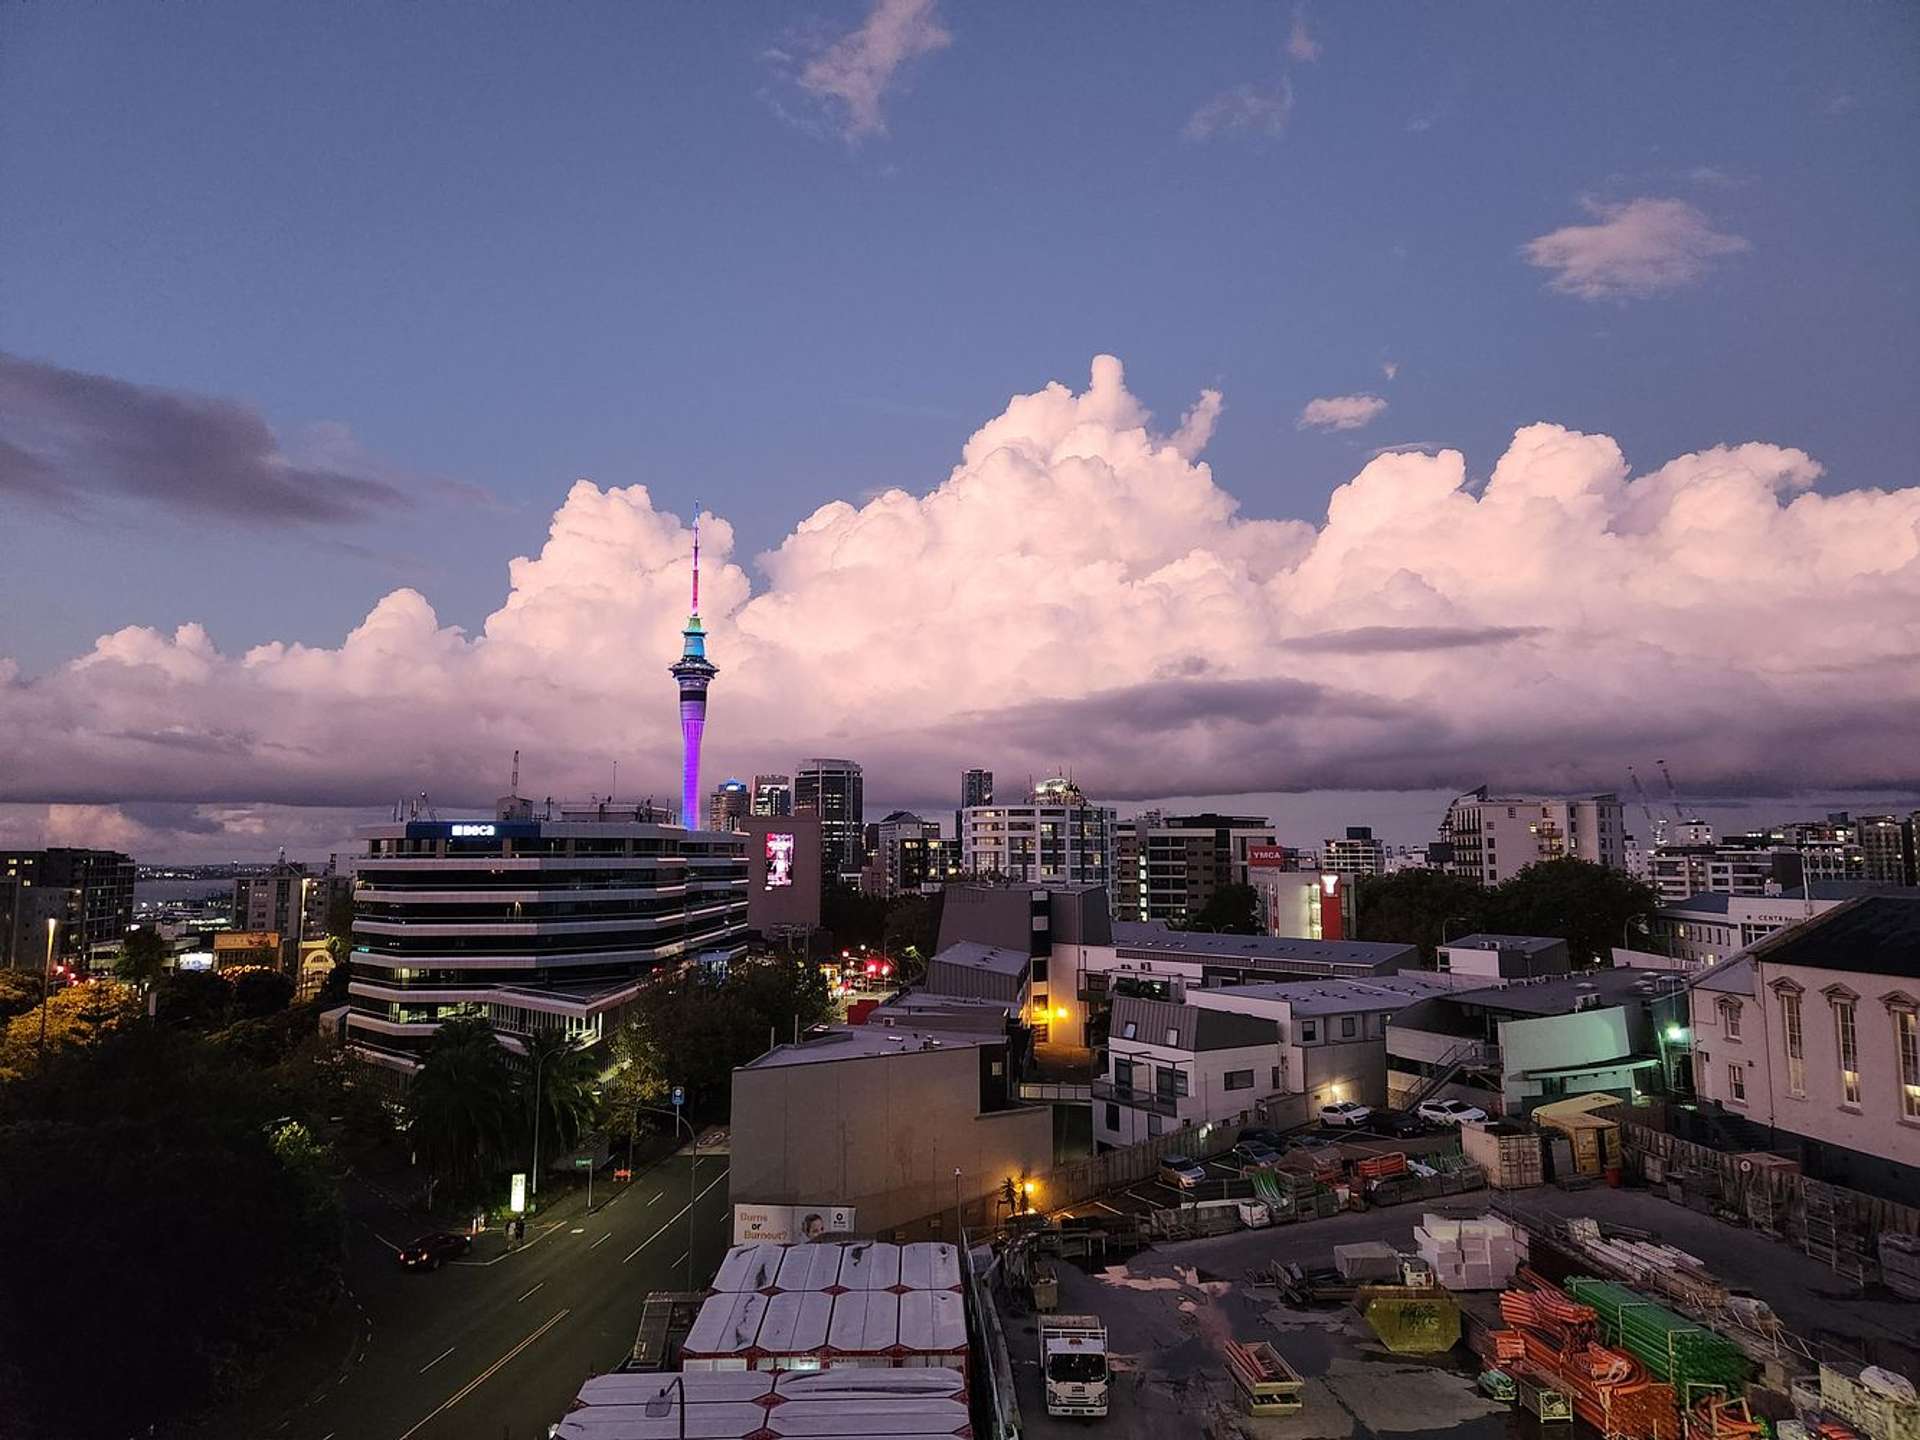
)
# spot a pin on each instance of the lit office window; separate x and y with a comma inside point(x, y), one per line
point(1795, 1042)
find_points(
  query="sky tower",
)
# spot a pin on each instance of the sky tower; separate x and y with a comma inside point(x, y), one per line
point(694, 672)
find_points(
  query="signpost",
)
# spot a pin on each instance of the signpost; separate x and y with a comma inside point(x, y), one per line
point(585, 1162)
point(518, 1202)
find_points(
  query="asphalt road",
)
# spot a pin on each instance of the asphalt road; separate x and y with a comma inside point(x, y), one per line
point(494, 1347)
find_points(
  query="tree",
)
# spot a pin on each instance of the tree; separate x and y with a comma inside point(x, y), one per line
point(195, 1000)
point(696, 1026)
point(561, 1080)
point(19, 992)
point(912, 929)
point(635, 1086)
point(143, 957)
point(461, 1106)
point(1419, 907)
point(853, 918)
point(1587, 905)
point(333, 989)
point(1232, 910)
point(258, 991)
point(78, 1018)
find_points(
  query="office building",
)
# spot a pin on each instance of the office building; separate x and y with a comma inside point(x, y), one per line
point(729, 805)
point(289, 901)
point(1886, 849)
point(1355, 854)
point(976, 788)
point(1495, 837)
point(1813, 1035)
point(910, 855)
point(694, 673)
point(773, 795)
point(1737, 865)
point(833, 791)
point(88, 894)
point(535, 924)
point(1505, 957)
point(1169, 867)
point(1057, 836)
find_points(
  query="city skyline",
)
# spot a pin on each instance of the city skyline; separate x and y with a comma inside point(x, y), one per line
point(1425, 485)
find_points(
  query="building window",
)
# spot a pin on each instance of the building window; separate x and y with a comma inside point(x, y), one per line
point(1730, 1012)
point(1239, 1080)
point(1349, 1027)
point(1113, 1117)
point(1906, 1032)
point(1127, 1031)
point(1276, 1077)
point(1171, 1083)
point(1173, 1035)
point(1795, 1043)
point(1309, 1031)
point(1848, 1038)
point(1737, 1083)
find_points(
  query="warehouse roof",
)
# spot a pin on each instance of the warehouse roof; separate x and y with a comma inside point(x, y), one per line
point(1207, 945)
point(1557, 995)
point(1874, 935)
point(1483, 940)
point(972, 955)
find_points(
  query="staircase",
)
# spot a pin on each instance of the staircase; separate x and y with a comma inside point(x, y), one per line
point(1470, 1054)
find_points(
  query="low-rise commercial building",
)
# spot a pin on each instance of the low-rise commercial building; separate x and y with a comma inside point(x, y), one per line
point(898, 1118)
point(1308, 904)
point(1171, 1065)
point(1505, 957)
point(1815, 1033)
point(1513, 1045)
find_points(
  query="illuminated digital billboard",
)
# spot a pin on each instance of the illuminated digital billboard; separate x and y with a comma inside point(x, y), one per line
point(779, 859)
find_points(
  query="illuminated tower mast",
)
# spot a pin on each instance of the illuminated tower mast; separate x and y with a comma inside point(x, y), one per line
point(694, 672)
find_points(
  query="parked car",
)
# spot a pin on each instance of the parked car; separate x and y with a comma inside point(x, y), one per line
point(1402, 1125)
point(1262, 1135)
point(1252, 1152)
point(1450, 1112)
point(1345, 1112)
point(1181, 1171)
point(430, 1252)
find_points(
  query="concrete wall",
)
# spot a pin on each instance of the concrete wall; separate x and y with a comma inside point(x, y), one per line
point(883, 1133)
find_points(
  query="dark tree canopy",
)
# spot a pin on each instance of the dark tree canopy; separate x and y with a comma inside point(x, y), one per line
point(1232, 910)
point(1415, 907)
point(1586, 905)
point(696, 1027)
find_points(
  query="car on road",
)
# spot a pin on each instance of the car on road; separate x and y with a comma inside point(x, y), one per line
point(430, 1252)
point(1181, 1171)
point(1450, 1112)
point(1252, 1152)
point(1345, 1112)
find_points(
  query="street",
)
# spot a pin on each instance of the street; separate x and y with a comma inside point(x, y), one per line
point(495, 1346)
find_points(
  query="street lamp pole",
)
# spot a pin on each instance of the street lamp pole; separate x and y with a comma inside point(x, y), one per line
point(959, 1225)
point(539, 1060)
point(46, 988)
point(663, 1403)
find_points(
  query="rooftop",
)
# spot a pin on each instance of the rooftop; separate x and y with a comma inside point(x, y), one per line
point(1556, 995)
point(1192, 1027)
point(867, 1042)
point(1335, 997)
point(1834, 890)
point(972, 955)
point(1873, 935)
point(1483, 940)
point(1204, 944)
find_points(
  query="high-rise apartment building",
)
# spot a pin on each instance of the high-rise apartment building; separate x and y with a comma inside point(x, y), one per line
point(1495, 837)
point(773, 795)
point(1732, 867)
point(88, 894)
point(1169, 867)
point(1056, 835)
point(911, 855)
point(976, 788)
point(533, 924)
point(1886, 847)
point(729, 806)
point(833, 790)
point(290, 901)
point(1356, 853)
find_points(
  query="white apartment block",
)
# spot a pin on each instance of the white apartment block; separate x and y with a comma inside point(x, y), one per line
point(1815, 1032)
point(1494, 838)
point(1058, 837)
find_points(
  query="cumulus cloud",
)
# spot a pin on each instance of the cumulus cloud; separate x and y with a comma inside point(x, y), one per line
point(1300, 45)
point(855, 72)
point(1342, 412)
point(1245, 109)
point(68, 437)
point(1635, 248)
point(1080, 588)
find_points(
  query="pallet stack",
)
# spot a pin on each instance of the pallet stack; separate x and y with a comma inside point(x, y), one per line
point(1469, 1254)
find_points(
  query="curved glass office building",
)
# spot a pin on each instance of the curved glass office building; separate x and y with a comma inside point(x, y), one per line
point(532, 924)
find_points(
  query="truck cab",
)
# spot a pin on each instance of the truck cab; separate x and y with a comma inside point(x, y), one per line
point(1073, 1364)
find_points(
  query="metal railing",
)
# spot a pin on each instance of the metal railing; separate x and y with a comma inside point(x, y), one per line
point(1134, 1098)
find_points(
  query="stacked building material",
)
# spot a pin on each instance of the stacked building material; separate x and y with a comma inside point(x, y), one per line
point(1881, 1404)
point(1900, 1263)
point(1469, 1254)
point(1367, 1260)
point(1673, 1348)
point(1608, 1388)
point(1265, 1382)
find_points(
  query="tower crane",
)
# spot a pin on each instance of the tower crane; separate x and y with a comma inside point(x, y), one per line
point(1656, 827)
point(1673, 796)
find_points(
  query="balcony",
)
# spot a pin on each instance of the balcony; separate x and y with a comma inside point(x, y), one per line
point(1134, 1098)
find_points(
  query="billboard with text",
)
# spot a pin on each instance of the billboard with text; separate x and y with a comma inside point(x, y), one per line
point(789, 1224)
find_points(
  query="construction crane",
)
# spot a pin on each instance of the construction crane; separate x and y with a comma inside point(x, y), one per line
point(1673, 796)
point(1656, 827)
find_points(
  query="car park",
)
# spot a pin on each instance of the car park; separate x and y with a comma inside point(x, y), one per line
point(430, 1252)
point(1262, 1135)
point(1402, 1125)
point(1181, 1171)
point(1450, 1112)
point(1348, 1113)
point(1252, 1152)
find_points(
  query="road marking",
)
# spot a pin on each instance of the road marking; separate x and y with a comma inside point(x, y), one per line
point(436, 1360)
point(578, 1230)
point(601, 1241)
point(1143, 1199)
point(677, 1259)
point(1108, 1208)
point(672, 1220)
point(486, 1374)
point(384, 1241)
point(529, 1292)
point(655, 1196)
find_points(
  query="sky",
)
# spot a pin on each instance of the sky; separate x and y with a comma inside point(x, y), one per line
point(1326, 406)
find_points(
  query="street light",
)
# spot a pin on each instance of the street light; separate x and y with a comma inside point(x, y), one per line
point(46, 988)
point(660, 1406)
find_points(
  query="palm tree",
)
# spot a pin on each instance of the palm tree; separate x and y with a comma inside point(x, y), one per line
point(461, 1104)
point(561, 1081)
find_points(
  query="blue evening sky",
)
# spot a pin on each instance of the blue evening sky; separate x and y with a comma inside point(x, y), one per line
point(511, 244)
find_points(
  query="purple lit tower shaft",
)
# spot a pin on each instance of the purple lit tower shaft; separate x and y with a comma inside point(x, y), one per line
point(694, 672)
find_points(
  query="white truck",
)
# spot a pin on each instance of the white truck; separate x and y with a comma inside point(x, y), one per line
point(1073, 1364)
